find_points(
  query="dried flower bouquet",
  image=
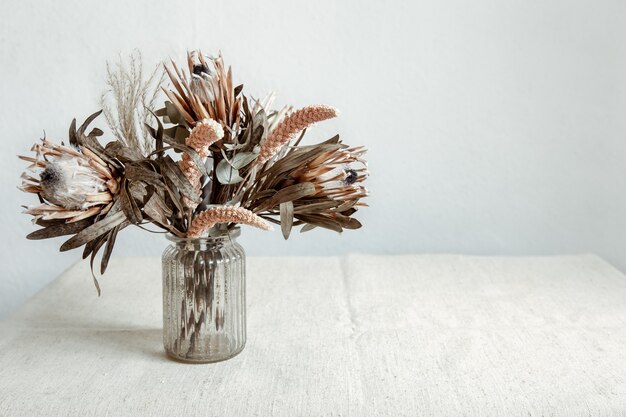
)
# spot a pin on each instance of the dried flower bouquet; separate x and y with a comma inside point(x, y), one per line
point(209, 159)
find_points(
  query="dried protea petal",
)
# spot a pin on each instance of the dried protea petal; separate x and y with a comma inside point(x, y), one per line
point(291, 126)
point(225, 214)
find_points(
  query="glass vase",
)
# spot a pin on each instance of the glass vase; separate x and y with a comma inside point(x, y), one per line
point(204, 297)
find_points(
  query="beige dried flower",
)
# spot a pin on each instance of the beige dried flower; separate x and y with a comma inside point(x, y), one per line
point(291, 126)
point(333, 175)
point(75, 184)
point(225, 214)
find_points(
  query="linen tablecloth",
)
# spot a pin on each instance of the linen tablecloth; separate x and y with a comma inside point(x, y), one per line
point(358, 335)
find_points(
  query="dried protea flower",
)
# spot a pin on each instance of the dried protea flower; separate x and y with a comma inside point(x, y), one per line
point(73, 184)
point(293, 124)
point(336, 174)
point(205, 91)
point(317, 185)
point(224, 214)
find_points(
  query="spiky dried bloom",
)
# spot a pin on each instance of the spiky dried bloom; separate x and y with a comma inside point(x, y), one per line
point(203, 135)
point(334, 174)
point(293, 124)
point(224, 214)
point(316, 185)
point(206, 91)
point(73, 184)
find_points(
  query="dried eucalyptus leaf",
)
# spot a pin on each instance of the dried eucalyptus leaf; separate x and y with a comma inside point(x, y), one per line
point(307, 227)
point(96, 132)
point(171, 170)
point(88, 120)
point(129, 206)
point(307, 206)
point(286, 218)
point(161, 112)
point(242, 159)
point(173, 115)
point(157, 210)
point(226, 174)
point(108, 249)
point(98, 244)
point(138, 190)
point(320, 221)
point(353, 224)
point(59, 229)
point(72, 134)
point(94, 231)
point(136, 172)
point(291, 193)
point(177, 133)
point(122, 152)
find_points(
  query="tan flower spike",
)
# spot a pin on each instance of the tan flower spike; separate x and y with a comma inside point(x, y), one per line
point(203, 135)
point(293, 124)
point(225, 214)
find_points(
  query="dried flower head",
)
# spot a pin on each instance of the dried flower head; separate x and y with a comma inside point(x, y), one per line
point(73, 184)
point(205, 91)
point(336, 173)
point(316, 185)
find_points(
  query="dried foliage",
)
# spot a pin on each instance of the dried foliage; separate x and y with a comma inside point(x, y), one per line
point(209, 159)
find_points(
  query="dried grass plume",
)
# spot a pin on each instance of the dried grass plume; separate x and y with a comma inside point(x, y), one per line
point(129, 99)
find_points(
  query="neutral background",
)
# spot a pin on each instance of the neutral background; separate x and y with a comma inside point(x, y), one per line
point(494, 127)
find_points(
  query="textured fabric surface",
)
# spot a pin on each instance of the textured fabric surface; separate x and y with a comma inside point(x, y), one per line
point(353, 336)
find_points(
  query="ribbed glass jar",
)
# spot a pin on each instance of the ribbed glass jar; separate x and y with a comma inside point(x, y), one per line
point(204, 297)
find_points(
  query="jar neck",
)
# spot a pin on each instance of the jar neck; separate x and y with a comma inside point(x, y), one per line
point(215, 238)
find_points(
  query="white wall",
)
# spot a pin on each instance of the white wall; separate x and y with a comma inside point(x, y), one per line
point(494, 127)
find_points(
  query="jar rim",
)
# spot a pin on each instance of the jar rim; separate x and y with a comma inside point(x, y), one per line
point(213, 235)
